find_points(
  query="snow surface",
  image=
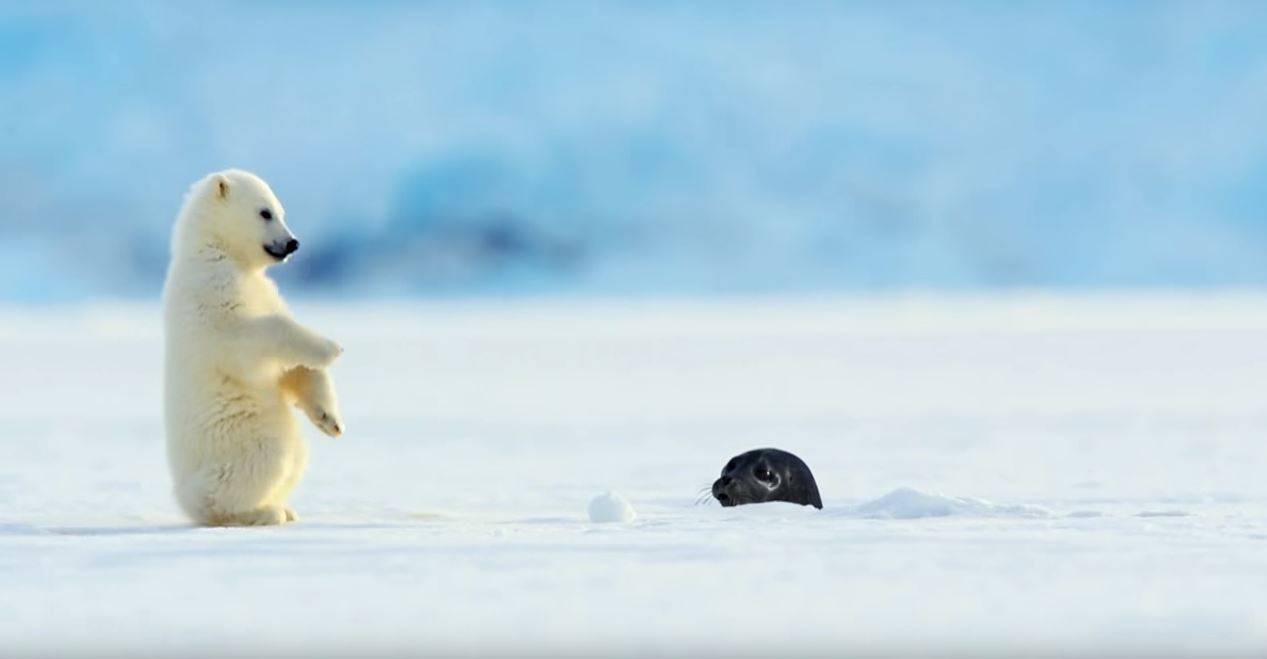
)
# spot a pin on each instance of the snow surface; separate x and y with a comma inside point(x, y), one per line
point(1118, 441)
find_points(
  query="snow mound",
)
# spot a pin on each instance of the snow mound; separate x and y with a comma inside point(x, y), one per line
point(611, 507)
point(909, 503)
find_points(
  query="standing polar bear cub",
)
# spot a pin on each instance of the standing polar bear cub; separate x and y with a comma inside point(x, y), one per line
point(236, 360)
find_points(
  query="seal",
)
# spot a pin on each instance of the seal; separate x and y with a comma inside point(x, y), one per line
point(766, 474)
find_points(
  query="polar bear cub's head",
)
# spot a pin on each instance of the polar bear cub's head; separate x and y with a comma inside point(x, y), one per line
point(235, 212)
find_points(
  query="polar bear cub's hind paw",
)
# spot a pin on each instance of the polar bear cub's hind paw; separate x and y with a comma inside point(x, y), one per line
point(266, 516)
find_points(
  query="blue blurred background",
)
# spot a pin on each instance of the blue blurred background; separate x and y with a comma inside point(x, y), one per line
point(644, 148)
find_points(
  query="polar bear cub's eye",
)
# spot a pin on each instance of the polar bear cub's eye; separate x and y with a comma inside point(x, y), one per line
point(266, 214)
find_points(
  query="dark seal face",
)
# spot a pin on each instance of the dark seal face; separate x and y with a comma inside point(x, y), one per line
point(766, 474)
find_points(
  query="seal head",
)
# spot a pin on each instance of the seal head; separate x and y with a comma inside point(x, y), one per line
point(766, 474)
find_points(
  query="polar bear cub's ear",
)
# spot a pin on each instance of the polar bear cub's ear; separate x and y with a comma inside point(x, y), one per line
point(221, 185)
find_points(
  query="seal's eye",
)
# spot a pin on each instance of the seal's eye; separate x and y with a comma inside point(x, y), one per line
point(763, 474)
point(266, 214)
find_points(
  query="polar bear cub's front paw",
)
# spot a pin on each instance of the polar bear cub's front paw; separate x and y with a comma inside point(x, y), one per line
point(326, 420)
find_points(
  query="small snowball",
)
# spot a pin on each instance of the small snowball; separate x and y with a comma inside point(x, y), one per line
point(611, 507)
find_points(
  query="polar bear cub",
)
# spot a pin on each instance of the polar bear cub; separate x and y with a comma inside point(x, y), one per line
point(236, 361)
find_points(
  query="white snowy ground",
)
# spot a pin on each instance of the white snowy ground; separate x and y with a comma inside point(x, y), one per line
point(1112, 453)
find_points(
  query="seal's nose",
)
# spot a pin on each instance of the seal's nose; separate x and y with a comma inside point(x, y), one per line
point(292, 246)
point(719, 492)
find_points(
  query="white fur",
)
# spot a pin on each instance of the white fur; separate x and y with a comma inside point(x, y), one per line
point(237, 361)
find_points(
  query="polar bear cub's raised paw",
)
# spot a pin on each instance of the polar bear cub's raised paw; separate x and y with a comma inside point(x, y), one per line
point(314, 394)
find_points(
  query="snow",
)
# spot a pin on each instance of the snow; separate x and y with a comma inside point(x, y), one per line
point(909, 503)
point(451, 519)
point(611, 507)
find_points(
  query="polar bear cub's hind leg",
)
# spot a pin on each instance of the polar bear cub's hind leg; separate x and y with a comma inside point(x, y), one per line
point(241, 494)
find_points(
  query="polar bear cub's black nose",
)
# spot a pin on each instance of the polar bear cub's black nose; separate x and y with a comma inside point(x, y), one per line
point(280, 250)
